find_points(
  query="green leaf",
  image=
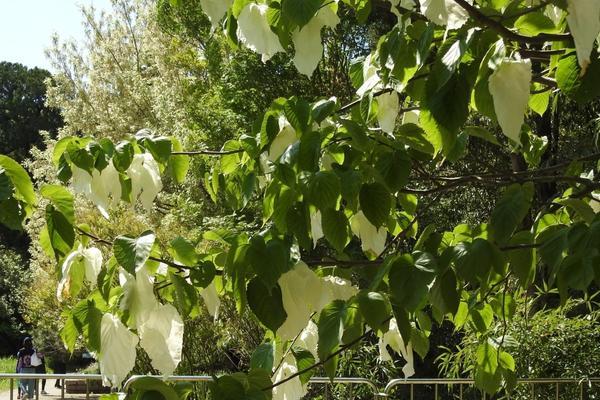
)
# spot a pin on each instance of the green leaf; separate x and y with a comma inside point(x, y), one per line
point(19, 178)
point(375, 309)
point(475, 261)
point(487, 374)
point(304, 359)
point(236, 266)
point(132, 253)
point(324, 190)
point(409, 282)
point(414, 137)
point(160, 147)
point(300, 12)
point(61, 198)
point(394, 167)
point(582, 89)
point(178, 164)
point(297, 111)
point(441, 138)
point(183, 251)
point(482, 317)
point(123, 156)
point(154, 388)
point(481, 133)
point(362, 9)
point(268, 260)
point(6, 186)
point(444, 294)
point(535, 23)
point(12, 214)
point(582, 208)
point(336, 228)
point(263, 355)
point(323, 108)
point(60, 231)
point(375, 203)
point(266, 303)
point(330, 326)
point(539, 102)
point(93, 320)
point(510, 211)
point(523, 261)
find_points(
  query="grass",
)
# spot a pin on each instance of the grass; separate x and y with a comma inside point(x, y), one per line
point(7, 365)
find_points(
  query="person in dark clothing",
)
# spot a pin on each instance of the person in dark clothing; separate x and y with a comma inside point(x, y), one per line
point(41, 369)
point(24, 367)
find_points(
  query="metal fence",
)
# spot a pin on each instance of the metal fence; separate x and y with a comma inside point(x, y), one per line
point(401, 389)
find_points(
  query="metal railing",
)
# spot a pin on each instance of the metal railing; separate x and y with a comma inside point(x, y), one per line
point(412, 389)
point(525, 388)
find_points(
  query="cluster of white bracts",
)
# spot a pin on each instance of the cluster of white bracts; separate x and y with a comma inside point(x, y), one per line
point(103, 188)
point(584, 22)
point(445, 12)
point(88, 259)
point(393, 339)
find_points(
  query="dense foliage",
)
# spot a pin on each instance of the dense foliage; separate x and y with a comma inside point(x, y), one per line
point(347, 251)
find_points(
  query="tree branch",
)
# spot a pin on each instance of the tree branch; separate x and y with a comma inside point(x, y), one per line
point(503, 31)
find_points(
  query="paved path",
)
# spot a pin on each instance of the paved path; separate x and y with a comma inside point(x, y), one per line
point(53, 393)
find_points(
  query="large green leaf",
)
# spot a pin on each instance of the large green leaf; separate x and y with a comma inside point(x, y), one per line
point(487, 375)
point(375, 203)
point(394, 168)
point(409, 282)
point(263, 356)
point(336, 228)
point(60, 231)
point(184, 251)
point(444, 294)
point(185, 296)
point(152, 388)
point(132, 253)
point(475, 261)
point(534, 23)
point(6, 186)
point(510, 211)
point(523, 261)
point(324, 190)
point(300, 11)
point(375, 309)
point(61, 198)
point(268, 260)
point(584, 88)
point(178, 164)
point(266, 303)
point(19, 178)
point(330, 327)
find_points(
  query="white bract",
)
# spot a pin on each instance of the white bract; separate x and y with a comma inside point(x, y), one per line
point(509, 87)
point(307, 40)
point(393, 339)
point(584, 22)
point(445, 12)
point(211, 299)
point(309, 339)
point(285, 138)
point(161, 336)
point(411, 117)
point(335, 288)
point(88, 259)
point(388, 106)
point(145, 179)
point(407, 4)
point(372, 240)
point(215, 10)
point(371, 79)
point(255, 33)
point(117, 357)
point(301, 295)
point(316, 228)
point(138, 295)
point(292, 389)
point(105, 188)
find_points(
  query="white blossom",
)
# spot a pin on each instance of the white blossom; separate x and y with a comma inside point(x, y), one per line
point(138, 295)
point(307, 40)
point(445, 12)
point(393, 339)
point(372, 240)
point(388, 106)
point(292, 389)
point(255, 33)
point(89, 259)
point(145, 179)
point(215, 10)
point(309, 339)
point(117, 356)
point(161, 336)
point(509, 87)
point(316, 229)
point(211, 299)
point(584, 22)
point(284, 139)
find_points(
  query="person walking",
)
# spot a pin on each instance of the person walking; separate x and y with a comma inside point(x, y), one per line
point(41, 369)
point(24, 367)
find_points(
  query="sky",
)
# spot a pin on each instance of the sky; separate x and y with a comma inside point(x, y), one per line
point(26, 27)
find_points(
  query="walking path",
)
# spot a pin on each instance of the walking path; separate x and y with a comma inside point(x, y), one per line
point(53, 393)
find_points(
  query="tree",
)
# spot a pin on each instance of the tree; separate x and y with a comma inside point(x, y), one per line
point(24, 112)
point(343, 190)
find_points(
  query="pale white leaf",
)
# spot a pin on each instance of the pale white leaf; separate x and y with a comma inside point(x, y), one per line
point(393, 339)
point(285, 138)
point(372, 239)
point(117, 356)
point(445, 12)
point(73, 258)
point(145, 179)
point(161, 336)
point(292, 389)
point(82, 180)
point(388, 106)
point(92, 261)
point(509, 87)
point(309, 339)
point(307, 40)
point(255, 33)
point(584, 22)
point(301, 291)
point(335, 288)
point(215, 10)
point(138, 295)
point(211, 298)
point(88, 259)
point(411, 117)
point(316, 229)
